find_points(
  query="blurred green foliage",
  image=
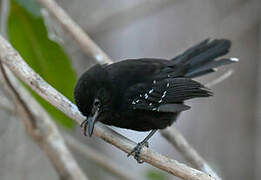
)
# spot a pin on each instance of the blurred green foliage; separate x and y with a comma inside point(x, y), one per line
point(155, 175)
point(28, 35)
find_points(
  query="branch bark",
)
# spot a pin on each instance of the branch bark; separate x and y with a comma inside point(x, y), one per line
point(100, 159)
point(14, 61)
point(85, 42)
point(189, 153)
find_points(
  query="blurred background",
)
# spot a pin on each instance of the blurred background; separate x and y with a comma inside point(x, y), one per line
point(224, 129)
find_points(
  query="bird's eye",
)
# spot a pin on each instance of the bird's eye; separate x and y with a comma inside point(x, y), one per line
point(96, 102)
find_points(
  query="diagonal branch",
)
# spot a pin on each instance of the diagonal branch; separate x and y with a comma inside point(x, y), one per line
point(100, 159)
point(85, 42)
point(16, 64)
point(189, 153)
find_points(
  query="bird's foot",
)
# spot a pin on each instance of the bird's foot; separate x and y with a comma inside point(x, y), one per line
point(137, 150)
point(84, 125)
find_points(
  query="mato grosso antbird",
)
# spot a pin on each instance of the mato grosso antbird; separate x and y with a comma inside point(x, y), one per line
point(147, 94)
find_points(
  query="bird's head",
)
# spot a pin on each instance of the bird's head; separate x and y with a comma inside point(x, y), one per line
point(93, 96)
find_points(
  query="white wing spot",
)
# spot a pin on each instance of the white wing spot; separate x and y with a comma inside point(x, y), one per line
point(168, 85)
point(99, 57)
point(168, 75)
point(154, 82)
point(234, 59)
point(137, 101)
point(150, 104)
point(133, 102)
point(140, 95)
point(160, 101)
point(154, 109)
point(164, 94)
point(146, 96)
point(151, 91)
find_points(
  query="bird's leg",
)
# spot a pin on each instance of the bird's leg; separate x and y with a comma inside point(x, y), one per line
point(84, 125)
point(140, 145)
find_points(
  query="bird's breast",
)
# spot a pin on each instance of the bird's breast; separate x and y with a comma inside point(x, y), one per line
point(140, 120)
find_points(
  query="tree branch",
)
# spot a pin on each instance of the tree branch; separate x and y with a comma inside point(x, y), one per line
point(189, 153)
point(85, 42)
point(17, 65)
point(100, 159)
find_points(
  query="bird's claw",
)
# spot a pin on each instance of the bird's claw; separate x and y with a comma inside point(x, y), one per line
point(84, 125)
point(137, 150)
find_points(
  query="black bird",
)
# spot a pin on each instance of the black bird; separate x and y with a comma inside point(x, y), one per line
point(147, 94)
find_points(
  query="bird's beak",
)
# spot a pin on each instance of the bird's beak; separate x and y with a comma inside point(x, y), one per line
point(92, 120)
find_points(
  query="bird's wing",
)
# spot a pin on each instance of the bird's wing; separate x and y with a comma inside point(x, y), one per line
point(165, 95)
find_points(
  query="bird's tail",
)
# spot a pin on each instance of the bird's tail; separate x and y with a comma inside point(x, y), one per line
point(202, 59)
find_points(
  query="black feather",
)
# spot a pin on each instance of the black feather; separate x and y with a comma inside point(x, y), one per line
point(145, 94)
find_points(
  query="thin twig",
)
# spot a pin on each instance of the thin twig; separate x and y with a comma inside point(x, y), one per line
point(18, 66)
point(220, 78)
point(85, 42)
point(189, 153)
point(100, 159)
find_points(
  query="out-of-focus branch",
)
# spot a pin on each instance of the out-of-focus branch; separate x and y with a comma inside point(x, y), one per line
point(220, 78)
point(14, 61)
point(85, 42)
point(100, 159)
point(189, 153)
point(42, 129)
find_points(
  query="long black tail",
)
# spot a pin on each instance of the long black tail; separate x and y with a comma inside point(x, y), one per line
point(201, 58)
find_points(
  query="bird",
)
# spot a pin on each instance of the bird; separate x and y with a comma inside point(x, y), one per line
point(147, 94)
